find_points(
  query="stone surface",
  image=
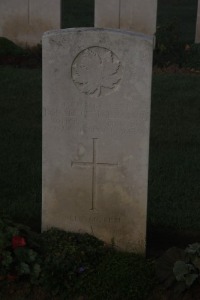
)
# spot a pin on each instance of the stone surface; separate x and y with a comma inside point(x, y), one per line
point(107, 13)
point(25, 21)
point(96, 111)
point(136, 15)
point(197, 37)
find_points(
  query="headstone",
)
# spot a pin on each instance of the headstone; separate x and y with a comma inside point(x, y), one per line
point(96, 111)
point(136, 15)
point(197, 37)
point(25, 21)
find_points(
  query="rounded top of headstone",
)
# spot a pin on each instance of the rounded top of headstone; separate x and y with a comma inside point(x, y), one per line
point(138, 35)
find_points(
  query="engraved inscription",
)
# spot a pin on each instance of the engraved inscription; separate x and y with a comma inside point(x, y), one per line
point(94, 164)
point(96, 71)
point(110, 121)
point(97, 219)
point(116, 121)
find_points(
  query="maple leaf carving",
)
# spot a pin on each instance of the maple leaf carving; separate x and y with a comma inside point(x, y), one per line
point(110, 74)
point(96, 69)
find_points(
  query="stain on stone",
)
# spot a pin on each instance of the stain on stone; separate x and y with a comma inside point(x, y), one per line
point(20, 32)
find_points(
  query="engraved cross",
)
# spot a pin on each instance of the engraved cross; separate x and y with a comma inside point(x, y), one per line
point(94, 164)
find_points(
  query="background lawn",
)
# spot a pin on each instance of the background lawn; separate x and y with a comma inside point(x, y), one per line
point(20, 147)
point(77, 13)
point(174, 169)
point(183, 13)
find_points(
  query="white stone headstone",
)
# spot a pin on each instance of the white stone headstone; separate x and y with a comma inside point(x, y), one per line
point(25, 21)
point(136, 15)
point(197, 37)
point(96, 112)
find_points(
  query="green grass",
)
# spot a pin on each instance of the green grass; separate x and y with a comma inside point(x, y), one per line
point(174, 152)
point(121, 276)
point(77, 13)
point(20, 151)
point(7, 47)
point(182, 12)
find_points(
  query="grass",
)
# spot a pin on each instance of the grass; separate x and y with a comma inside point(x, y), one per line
point(77, 13)
point(174, 152)
point(7, 47)
point(125, 276)
point(183, 13)
point(20, 151)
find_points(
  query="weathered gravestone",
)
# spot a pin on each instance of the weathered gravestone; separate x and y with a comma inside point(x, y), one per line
point(96, 111)
point(25, 21)
point(136, 15)
point(197, 37)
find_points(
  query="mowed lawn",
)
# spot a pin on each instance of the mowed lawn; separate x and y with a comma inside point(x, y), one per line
point(20, 146)
point(182, 13)
point(174, 168)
